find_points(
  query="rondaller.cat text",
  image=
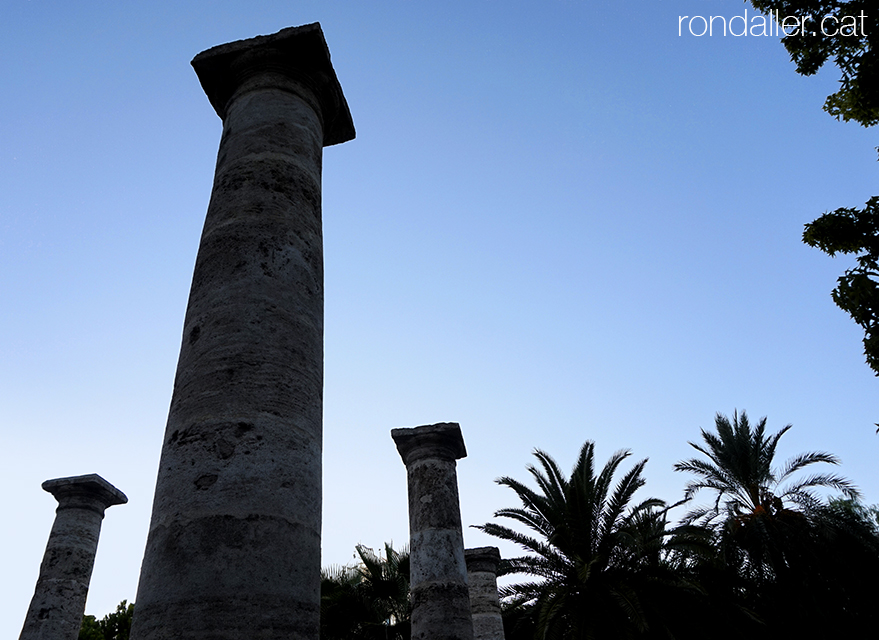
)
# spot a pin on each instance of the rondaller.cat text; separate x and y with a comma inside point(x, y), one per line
point(772, 25)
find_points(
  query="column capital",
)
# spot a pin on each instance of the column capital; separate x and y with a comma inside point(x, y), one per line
point(297, 53)
point(59, 598)
point(84, 492)
point(482, 559)
point(442, 440)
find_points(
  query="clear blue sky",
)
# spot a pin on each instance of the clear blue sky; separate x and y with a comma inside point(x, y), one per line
point(559, 220)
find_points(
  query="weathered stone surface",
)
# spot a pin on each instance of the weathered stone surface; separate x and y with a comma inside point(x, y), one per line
point(56, 610)
point(234, 543)
point(484, 602)
point(438, 574)
point(299, 52)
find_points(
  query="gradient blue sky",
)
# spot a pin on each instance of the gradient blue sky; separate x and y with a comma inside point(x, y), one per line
point(559, 221)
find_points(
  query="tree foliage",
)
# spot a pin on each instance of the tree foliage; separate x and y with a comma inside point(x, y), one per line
point(769, 557)
point(854, 231)
point(368, 601)
point(792, 554)
point(845, 230)
point(852, 50)
point(761, 512)
point(595, 559)
point(740, 471)
point(113, 626)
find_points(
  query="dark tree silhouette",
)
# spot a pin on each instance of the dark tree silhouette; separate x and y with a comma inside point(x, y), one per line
point(849, 38)
point(369, 601)
point(596, 561)
point(773, 529)
point(113, 626)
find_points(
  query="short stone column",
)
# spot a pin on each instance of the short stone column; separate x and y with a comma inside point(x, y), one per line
point(58, 604)
point(484, 602)
point(233, 549)
point(438, 573)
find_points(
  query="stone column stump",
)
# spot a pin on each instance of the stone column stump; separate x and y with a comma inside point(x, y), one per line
point(56, 610)
point(484, 602)
point(233, 550)
point(438, 581)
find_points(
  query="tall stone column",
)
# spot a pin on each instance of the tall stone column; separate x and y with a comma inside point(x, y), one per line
point(438, 574)
point(58, 604)
point(233, 549)
point(484, 602)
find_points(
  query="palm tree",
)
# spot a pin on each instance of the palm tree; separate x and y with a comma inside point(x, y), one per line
point(385, 582)
point(368, 601)
point(590, 562)
point(342, 609)
point(740, 471)
point(773, 529)
point(757, 507)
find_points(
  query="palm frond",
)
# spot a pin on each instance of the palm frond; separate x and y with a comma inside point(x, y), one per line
point(804, 460)
point(531, 518)
point(619, 500)
point(584, 536)
point(823, 480)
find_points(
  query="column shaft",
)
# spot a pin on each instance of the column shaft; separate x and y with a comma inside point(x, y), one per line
point(234, 544)
point(56, 610)
point(438, 574)
point(484, 602)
